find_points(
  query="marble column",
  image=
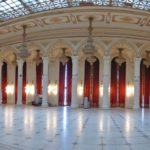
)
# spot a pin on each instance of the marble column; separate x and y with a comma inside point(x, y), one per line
point(1, 64)
point(137, 62)
point(20, 73)
point(45, 81)
point(106, 82)
point(74, 98)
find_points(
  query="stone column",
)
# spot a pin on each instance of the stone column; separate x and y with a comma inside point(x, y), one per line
point(137, 62)
point(1, 64)
point(45, 81)
point(74, 97)
point(20, 72)
point(106, 82)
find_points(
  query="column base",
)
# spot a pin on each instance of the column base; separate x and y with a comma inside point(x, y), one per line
point(105, 107)
point(74, 106)
point(136, 107)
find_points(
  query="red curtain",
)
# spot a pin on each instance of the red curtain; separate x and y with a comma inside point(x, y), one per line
point(87, 80)
point(4, 83)
point(62, 69)
point(95, 97)
point(61, 84)
point(39, 72)
point(96, 83)
point(118, 87)
point(122, 84)
point(113, 91)
point(24, 84)
point(144, 85)
point(16, 84)
point(69, 81)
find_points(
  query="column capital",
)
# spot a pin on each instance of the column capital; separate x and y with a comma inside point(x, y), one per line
point(20, 61)
point(45, 59)
point(138, 59)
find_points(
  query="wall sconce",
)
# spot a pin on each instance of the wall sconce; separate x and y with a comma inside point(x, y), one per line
point(80, 89)
point(30, 89)
point(10, 89)
point(101, 89)
point(52, 88)
point(130, 90)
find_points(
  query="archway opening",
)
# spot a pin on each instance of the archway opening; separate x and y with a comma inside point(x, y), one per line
point(91, 82)
point(118, 84)
point(144, 85)
point(65, 83)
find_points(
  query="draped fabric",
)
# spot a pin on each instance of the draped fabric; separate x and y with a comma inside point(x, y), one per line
point(92, 72)
point(96, 83)
point(39, 72)
point(61, 83)
point(118, 84)
point(87, 80)
point(113, 91)
point(122, 84)
point(4, 83)
point(24, 84)
point(16, 84)
point(62, 69)
point(69, 81)
point(144, 85)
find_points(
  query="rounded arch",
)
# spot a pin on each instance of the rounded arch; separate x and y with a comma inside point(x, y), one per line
point(99, 50)
point(143, 49)
point(54, 48)
point(130, 50)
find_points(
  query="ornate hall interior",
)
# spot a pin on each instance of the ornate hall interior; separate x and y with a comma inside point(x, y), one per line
point(75, 74)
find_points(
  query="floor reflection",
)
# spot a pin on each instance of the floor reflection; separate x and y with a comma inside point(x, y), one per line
point(63, 128)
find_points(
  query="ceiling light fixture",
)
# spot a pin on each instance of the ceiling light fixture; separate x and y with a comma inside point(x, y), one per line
point(147, 59)
point(64, 59)
point(23, 50)
point(119, 60)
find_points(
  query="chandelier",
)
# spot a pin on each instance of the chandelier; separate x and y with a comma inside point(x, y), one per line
point(23, 50)
point(119, 60)
point(147, 59)
point(38, 59)
point(89, 48)
point(64, 59)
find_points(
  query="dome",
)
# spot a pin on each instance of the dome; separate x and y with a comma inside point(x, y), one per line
point(10, 9)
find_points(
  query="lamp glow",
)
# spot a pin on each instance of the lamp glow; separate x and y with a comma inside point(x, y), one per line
point(10, 89)
point(130, 90)
point(80, 89)
point(52, 89)
point(30, 89)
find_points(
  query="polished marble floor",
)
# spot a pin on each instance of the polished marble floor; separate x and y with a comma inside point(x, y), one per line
point(63, 128)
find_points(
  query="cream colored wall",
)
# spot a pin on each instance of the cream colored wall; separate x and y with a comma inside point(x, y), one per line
point(129, 79)
point(81, 68)
point(11, 81)
point(54, 77)
point(31, 79)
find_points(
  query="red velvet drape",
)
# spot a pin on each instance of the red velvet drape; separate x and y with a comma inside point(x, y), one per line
point(4, 83)
point(87, 80)
point(62, 69)
point(39, 72)
point(69, 81)
point(96, 83)
point(24, 84)
point(113, 91)
point(16, 84)
point(144, 85)
point(95, 97)
point(118, 87)
point(61, 84)
point(122, 84)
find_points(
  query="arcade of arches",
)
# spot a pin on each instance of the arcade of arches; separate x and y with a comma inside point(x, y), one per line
point(126, 85)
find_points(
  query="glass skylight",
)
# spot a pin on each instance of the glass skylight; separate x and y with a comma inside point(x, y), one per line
point(10, 9)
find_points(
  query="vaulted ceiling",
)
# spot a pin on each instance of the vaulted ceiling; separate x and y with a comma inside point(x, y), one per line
point(10, 9)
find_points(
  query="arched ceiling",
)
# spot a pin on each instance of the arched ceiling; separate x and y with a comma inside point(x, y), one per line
point(10, 9)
